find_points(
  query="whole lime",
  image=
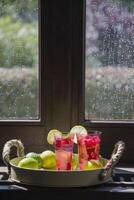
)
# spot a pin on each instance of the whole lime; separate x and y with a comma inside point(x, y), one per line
point(48, 159)
point(36, 156)
point(30, 163)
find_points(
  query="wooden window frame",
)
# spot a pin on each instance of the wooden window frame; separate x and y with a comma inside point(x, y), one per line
point(62, 83)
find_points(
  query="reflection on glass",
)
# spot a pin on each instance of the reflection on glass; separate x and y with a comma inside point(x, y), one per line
point(19, 60)
point(109, 83)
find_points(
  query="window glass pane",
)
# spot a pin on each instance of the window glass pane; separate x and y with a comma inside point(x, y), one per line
point(19, 60)
point(109, 82)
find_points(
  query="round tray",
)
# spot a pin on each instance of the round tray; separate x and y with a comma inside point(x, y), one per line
point(54, 178)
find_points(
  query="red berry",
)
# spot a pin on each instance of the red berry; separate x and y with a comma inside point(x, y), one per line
point(58, 143)
point(68, 166)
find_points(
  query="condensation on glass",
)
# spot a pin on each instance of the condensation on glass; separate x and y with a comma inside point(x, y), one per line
point(109, 74)
point(19, 84)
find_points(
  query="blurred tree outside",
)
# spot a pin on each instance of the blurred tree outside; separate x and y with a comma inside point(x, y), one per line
point(25, 10)
point(18, 33)
point(110, 32)
point(18, 59)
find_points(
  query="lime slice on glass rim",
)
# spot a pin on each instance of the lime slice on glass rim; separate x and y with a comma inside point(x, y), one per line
point(52, 134)
point(78, 129)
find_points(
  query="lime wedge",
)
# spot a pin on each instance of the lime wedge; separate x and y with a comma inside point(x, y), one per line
point(78, 129)
point(93, 164)
point(96, 163)
point(52, 135)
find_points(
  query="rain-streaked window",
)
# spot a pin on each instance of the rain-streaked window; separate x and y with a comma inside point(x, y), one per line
point(109, 76)
point(19, 60)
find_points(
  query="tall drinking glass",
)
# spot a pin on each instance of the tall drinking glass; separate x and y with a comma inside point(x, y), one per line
point(64, 152)
point(88, 147)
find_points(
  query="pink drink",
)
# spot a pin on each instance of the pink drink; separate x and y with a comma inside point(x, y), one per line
point(88, 147)
point(63, 151)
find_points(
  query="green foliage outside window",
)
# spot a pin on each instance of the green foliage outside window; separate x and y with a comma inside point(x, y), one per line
point(109, 84)
point(18, 93)
point(18, 43)
point(109, 93)
point(19, 59)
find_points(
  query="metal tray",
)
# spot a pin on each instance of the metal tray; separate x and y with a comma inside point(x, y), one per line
point(53, 178)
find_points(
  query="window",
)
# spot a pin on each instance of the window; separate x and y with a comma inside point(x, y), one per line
point(109, 93)
point(19, 98)
point(22, 73)
point(109, 72)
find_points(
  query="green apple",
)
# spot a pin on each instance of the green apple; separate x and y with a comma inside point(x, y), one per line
point(36, 156)
point(30, 163)
point(48, 159)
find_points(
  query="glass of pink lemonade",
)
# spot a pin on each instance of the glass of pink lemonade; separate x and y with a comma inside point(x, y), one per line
point(64, 151)
point(88, 147)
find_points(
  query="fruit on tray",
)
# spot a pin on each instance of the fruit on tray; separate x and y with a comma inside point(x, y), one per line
point(48, 159)
point(96, 164)
point(36, 156)
point(29, 163)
